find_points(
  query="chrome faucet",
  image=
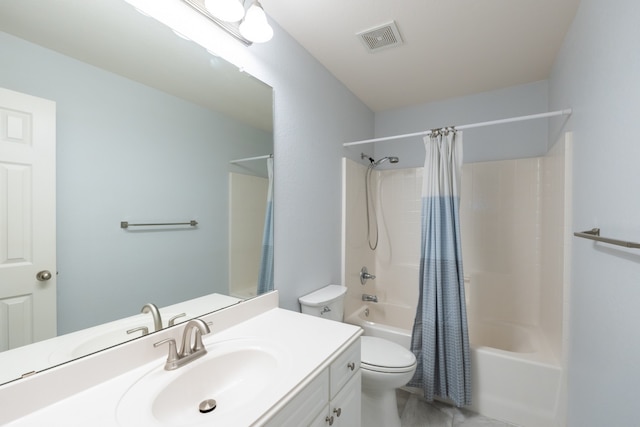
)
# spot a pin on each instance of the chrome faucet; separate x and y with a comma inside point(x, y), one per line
point(369, 298)
point(365, 275)
point(192, 346)
point(155, 313)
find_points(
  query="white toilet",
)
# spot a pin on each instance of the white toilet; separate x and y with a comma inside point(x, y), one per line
point(385, 365)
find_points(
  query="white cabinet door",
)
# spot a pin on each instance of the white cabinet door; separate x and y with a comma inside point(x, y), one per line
point(27, 219)
point(345, 408)
point(307, 407)
point(343, 381)
point(320, 420)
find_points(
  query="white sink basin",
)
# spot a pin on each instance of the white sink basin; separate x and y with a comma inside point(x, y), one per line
point(233, 373)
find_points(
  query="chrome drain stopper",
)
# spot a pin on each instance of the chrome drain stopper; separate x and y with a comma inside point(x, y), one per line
point(207, 406)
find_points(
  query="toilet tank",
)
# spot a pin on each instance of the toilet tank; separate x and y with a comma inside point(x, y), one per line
point(327, 302)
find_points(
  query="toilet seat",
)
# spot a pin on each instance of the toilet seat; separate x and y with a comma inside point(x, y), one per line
point(381, 355)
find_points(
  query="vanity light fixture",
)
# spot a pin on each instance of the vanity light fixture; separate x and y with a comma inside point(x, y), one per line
point(225, 10)
point(254, 26)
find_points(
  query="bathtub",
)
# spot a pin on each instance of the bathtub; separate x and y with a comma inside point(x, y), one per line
point(515, 377)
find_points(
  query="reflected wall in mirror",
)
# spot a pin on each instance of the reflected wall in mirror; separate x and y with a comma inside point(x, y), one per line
point(147, 124)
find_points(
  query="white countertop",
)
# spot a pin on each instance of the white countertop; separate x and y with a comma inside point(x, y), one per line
point(308, 344)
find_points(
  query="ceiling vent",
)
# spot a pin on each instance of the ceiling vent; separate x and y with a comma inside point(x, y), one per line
point(381, 37)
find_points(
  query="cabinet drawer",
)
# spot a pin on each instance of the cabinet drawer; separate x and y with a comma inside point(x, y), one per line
point(344, 367)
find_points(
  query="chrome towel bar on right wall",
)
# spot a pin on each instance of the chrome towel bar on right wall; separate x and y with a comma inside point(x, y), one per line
point(594, 234)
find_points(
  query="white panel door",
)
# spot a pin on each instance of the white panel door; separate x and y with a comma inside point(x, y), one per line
point(27, 219)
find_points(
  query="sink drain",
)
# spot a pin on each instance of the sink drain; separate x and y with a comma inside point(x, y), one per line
point(207, 406)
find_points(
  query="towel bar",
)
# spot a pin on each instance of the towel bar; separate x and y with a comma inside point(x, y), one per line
point(125, 224)
point(594, 234)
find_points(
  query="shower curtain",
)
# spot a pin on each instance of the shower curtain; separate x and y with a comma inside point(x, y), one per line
point(440, 336)
point(265, 277)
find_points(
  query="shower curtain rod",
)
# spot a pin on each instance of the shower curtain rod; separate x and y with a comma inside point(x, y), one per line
point(564, 112)
point(247, 159)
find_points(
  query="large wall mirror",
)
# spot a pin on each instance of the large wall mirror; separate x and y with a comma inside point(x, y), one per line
point(148, 127)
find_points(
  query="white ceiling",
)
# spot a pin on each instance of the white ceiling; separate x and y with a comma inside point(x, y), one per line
point(451, 47)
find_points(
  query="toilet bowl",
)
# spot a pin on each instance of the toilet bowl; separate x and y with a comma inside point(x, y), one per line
point(384, 365)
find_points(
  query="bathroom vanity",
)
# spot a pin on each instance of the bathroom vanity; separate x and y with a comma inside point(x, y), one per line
point(333, 397)
point(264, 366)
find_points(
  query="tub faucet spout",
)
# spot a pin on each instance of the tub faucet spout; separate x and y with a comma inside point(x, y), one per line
point(369, 298)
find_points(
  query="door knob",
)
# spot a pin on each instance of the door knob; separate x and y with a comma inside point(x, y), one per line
point(43, 275)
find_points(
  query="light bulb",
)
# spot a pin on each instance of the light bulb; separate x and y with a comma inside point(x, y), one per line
point(225, 10)
point(255, 27)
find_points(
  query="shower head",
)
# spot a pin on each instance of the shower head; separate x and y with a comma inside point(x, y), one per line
point(391, 159)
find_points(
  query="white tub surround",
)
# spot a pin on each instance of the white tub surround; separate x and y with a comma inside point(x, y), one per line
point(88, 391)
point(516, 234)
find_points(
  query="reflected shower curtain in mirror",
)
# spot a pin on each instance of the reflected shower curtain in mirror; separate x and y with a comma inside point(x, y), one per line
point(440, 338)
point(265, 277)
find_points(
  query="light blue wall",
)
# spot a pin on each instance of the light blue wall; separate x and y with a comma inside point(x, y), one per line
point(314, 115)
point(129, 152)
point(518, 140)
point(597, 72)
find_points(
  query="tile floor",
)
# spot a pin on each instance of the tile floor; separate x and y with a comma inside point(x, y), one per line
point(416, 412)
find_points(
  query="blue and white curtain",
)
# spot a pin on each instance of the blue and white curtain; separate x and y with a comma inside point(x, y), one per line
point(440, 338)
point(265, 277)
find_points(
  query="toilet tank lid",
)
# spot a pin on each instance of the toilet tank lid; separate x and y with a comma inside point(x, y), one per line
point(323, 295)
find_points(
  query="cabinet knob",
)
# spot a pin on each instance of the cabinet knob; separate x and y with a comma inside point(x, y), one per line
point(351, 366)
point(337, 411)
point(329, 420)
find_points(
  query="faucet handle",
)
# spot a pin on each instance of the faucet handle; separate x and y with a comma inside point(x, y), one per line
point(144, 329)
point(173, 352)
point(172, 321)
point(365, 275)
